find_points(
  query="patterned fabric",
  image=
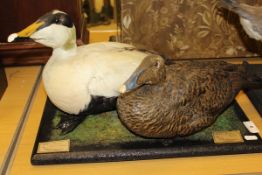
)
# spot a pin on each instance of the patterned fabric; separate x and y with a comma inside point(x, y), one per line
point(186, 29)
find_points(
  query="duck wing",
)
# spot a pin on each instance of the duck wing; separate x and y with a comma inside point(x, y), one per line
point(201, 91)
point(209, 86)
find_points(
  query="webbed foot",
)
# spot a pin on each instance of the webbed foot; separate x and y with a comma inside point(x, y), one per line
point(68, 123)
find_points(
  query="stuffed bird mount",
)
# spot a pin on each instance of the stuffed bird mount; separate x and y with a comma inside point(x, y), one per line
point(83, 84)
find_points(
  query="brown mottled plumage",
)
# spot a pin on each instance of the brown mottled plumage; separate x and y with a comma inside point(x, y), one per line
point(184, 98)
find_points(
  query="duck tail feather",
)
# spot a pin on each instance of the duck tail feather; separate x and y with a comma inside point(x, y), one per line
point(237, 7)
point(229, 4)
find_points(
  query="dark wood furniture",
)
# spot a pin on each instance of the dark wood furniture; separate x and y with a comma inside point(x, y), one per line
point(17, 14)
point(3, 81)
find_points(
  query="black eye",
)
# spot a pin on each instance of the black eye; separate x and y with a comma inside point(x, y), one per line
point(62, 19)
point(157, 64)
point(57, 21)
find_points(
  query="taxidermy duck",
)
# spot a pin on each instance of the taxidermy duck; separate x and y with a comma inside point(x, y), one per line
point(80, 80)
point(180, 99)
point(250, 17)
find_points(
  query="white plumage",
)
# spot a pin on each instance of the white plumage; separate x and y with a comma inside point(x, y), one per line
point(77, 78)
point(97, 69)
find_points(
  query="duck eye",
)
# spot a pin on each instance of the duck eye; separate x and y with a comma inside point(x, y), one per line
point(57, 21)
point(157, 64)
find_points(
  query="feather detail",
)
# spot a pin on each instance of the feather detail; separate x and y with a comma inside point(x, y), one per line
point(189, 99)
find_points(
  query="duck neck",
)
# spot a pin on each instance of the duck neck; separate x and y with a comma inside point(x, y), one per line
point(68, 49)
point(64, 53)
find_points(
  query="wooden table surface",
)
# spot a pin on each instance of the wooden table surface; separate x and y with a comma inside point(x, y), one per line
point(21, 80)
point(231, 164)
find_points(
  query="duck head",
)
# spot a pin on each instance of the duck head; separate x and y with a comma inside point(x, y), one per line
point(55, 29)
point(151, 71)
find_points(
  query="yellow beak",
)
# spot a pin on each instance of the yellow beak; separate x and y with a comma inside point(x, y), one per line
point(27, 32)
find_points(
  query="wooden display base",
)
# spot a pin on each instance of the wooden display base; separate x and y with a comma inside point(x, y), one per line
point(102, 138)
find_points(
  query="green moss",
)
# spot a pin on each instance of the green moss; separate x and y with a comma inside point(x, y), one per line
point(227, 121)
point(106, 128)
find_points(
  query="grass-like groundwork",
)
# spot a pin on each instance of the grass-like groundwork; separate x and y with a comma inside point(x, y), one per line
point(106, 128)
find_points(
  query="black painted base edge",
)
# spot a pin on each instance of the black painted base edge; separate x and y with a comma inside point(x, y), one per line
point(142, 154)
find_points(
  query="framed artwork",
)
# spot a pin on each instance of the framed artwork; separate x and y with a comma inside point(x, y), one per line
point(184, 29)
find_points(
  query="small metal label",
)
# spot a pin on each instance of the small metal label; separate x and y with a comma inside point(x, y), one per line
point(221, 137)
point(54, 146)
point(251, 127)
point(250, 137)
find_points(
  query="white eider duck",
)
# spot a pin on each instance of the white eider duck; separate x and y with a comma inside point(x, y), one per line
point(80, 80)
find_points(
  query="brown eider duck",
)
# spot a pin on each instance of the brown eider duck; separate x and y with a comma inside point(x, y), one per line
point(165, 101)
